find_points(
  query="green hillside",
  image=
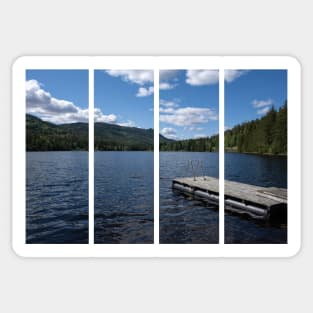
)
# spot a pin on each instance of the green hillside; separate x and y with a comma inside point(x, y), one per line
point(267, 135)
point(115, 137)
point(45, 136)
point(209, 144)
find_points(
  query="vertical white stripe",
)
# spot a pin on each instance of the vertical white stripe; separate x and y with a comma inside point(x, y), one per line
point(19, 157)
point(221, 155)
point(91, 155)
point(156, 153)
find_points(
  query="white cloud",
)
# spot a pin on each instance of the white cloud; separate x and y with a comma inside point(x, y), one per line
point(166, 86)
point(202, 77)
point(168, 104)
point(144, 77)
point(231, 75)
point(144, 92)
point(211, 77)
point(263, 110)
point(171, 113)
point(262, 103)
point(193, 128)
point(128, 124)
point(81, 116)
point(166, 110)
point(101, 118)
point(40, 102)
point(168, 79)
point(188, 116)
point(139, 77)
point(169, 132)
point(263, 106)
point(166, 75)
point(200, 136)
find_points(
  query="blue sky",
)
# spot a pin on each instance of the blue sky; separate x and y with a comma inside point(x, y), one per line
point(123, 97)
point(57, 96)
point(188, 103)
point(126, 96)
point(188, 98)
point(251, 95)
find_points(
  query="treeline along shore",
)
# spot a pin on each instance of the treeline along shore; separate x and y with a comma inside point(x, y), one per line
point(45, 136)
point(207, 144)
point(267, 135)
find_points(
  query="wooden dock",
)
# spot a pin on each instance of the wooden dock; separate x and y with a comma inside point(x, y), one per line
point(255, 201)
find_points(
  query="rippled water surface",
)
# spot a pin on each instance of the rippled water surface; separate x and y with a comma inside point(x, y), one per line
point(57, 197)
point(266, 171)
point(187, 220)
point(123, 197)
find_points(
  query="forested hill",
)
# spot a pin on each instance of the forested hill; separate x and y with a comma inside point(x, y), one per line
point(209, 144)
point(267, 135)
point(45, 136)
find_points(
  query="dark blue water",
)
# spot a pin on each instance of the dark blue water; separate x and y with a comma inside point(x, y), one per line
point(57, 197)
point(266, 171)
point(184, 219)
point(123, 197)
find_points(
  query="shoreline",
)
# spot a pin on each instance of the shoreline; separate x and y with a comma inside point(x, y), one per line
point(253, 153)
point(258, 153)
point(88, 150)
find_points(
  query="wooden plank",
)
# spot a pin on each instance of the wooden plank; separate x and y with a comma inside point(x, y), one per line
point(203, 182)
point(277, 193)
point(267, 197)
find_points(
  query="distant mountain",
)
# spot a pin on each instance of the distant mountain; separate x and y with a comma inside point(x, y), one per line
point(115, 137)
point(45, 136)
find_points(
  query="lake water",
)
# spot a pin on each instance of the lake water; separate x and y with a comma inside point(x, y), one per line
point(184, 219)
point(57, 197)
point(187, 220)
point(123, 197)
point(266, 171)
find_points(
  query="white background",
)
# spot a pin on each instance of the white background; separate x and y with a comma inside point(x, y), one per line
point(151, 28)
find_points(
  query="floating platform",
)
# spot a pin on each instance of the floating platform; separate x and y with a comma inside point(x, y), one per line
point(255, 201)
